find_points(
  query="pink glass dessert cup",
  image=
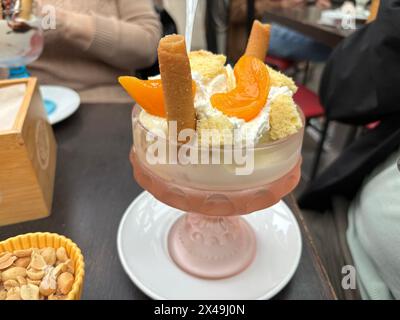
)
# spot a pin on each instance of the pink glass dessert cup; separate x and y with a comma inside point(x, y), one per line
point(211, 240)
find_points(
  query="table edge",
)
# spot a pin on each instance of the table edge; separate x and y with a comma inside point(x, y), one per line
point(290, 200)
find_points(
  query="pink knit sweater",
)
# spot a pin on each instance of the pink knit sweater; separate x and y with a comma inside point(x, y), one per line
point(95, 42)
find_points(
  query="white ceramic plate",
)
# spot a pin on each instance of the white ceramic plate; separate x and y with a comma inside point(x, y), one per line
point(67, 101)
point(142, 248)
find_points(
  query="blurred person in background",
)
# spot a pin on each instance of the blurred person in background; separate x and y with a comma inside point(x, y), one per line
point(290, 44)
point(284, 42)
point(360, 86)
point(94, 42)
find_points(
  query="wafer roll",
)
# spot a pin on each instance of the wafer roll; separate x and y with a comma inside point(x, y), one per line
point(258, 43)
point(176, 79)
point(373, 10)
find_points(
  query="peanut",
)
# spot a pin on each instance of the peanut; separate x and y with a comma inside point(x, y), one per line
point(29, 292)
point(35, 274)
point(37, 261)
point(49, 255)
point(61, 254)
point(69, 266)
point(21, 280)
point(23, 253)
point(10, 284)
point(6, 261)
point(34, 282)
point(5, 256)
point(65, 282)
point(14, 294)
point(23, 262)
point(13, 273)
point(3, 295)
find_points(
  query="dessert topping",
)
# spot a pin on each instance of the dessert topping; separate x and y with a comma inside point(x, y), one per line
point(148, 94)
point(251, 92)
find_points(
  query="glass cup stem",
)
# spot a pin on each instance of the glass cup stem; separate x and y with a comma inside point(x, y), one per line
point(212, 247)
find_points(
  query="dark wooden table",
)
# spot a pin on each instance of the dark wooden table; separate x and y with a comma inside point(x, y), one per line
point(305, 20)
point(94, 186)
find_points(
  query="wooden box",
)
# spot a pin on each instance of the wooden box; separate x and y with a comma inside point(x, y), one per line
point(27, 160)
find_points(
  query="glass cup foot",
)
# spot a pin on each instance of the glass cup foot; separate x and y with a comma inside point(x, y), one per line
point(212, 247)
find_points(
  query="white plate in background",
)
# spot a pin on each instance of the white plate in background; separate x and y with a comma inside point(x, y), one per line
point(67, 102)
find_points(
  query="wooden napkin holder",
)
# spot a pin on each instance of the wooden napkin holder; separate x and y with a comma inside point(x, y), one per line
point(27, 160)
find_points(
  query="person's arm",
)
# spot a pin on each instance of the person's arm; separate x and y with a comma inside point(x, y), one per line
point(129, 42)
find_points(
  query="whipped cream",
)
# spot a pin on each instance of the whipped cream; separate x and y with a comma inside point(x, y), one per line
point(244, 132)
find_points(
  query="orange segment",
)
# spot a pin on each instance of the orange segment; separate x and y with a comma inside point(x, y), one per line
point(147, 93)
point(251, 92)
